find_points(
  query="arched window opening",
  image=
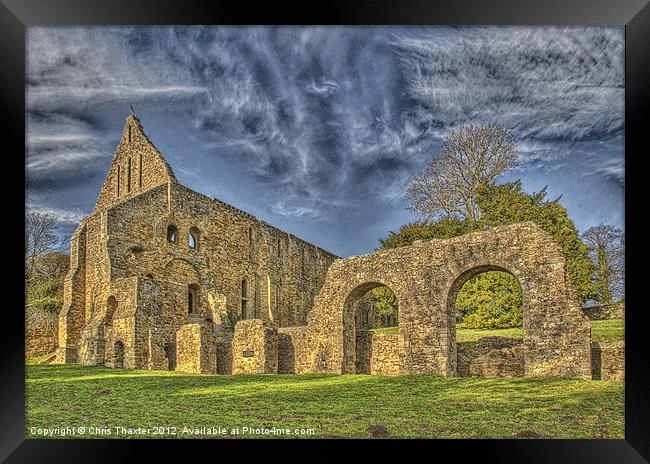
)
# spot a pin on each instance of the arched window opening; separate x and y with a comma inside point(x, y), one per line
point(128, 175)
point(129, 132)
point(140, 173)
point(250, 236)
point(244, 299)
point(192, 299)
point(279, 247)
point(193, 238)
point(172, 233)
point(370, 309)
point(119, 174)
point(111, 306)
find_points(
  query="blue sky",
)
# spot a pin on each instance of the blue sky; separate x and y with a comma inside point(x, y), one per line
point(317, 130)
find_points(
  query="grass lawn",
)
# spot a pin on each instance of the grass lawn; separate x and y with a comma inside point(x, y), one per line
point(601, 331)
point(350, 406)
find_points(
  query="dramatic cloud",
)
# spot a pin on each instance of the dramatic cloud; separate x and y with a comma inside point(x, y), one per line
point(326, 125)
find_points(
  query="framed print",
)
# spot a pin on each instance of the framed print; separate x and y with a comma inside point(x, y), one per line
point(403, 223)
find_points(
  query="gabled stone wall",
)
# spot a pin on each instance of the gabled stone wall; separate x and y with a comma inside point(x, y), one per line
point(126, 237)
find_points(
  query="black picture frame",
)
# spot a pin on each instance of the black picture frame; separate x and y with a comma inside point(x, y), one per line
point(16, 15)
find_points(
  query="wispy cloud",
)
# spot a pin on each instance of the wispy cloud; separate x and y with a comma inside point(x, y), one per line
point(326, 122)
point(36, 202)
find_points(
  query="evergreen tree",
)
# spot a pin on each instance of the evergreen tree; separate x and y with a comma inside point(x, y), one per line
point(493, 299)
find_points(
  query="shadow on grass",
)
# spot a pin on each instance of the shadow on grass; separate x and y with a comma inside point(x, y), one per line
point(417, 405)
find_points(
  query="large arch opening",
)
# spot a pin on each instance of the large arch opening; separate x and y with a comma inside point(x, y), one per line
point(485, 306)
point(370, 309)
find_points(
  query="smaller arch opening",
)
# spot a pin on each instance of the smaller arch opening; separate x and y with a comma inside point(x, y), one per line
point(192, 299)
point(250, 236)
point(193, 238)
point(172, 233)
point(118, 354)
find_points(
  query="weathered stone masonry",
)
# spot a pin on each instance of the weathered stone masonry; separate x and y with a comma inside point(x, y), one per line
point(156, 267)
point(155, 257)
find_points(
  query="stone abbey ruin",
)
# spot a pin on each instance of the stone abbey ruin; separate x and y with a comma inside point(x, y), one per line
point(162, 277)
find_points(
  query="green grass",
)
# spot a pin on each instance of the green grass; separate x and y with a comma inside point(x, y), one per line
point(608, 330)
point(39, 359)
point(350, 406)
point(601, 331)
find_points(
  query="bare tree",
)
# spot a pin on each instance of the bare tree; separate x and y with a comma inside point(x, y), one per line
point(472, 156)
point(40, 239)
point(606, 246)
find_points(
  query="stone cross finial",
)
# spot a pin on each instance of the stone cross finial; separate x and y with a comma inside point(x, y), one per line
point(132, 109)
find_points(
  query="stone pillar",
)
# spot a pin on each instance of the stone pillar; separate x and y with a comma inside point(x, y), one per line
point(254, 348)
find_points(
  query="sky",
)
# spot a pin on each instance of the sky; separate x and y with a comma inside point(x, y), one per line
point(318, 130)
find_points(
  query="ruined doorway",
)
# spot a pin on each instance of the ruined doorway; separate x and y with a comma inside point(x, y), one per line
point(170, 354)
point(370, 309)
point(118, 355)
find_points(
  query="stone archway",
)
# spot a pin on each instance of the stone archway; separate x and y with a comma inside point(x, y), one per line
point(452, 294)
point(424, 275)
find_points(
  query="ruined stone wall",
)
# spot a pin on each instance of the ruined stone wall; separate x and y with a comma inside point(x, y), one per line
point(491, 357)
point(385, 355)
point(72, 314)
point(224, 353)
point(294, 350)
point(41, 332)
point(426, 278)
point(127, 237)
point(599, 312)
point(196, 349)
point(608, 360)
point(254, 348)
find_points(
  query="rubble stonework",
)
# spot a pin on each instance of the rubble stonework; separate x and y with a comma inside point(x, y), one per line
point(160, 273)
point(133, 269)
point(426, 278)
point(491, 357)
point(254, 348)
